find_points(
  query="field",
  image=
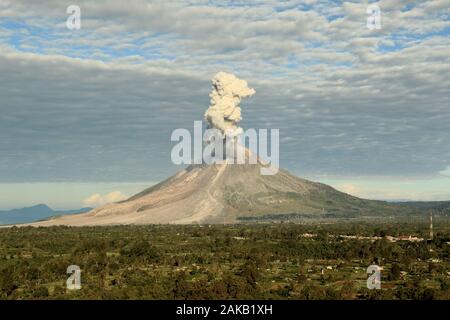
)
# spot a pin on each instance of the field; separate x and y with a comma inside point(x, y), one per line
point(269, 261)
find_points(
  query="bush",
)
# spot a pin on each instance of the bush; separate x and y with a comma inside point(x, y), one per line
point(140, 249)
point(395, 272)
point(41, 292)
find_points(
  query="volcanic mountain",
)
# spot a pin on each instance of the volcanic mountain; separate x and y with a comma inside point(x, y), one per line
point(225, 192)
point(228, 193)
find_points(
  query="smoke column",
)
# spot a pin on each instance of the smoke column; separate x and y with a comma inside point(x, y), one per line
point(224, 112)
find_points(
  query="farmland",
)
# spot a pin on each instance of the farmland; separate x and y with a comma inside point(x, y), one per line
point(270, 261)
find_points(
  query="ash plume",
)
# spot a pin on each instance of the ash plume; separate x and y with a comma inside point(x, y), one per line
point(224, 112)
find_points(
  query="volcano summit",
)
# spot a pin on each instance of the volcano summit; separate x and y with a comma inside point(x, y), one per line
point(228, 192)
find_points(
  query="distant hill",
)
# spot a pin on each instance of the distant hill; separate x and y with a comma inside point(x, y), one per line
point(439, 207)
point(426, 204)
point(34, 213)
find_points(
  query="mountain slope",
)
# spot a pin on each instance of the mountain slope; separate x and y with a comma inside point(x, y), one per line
point(226, 194)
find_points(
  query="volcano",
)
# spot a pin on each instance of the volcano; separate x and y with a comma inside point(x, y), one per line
point(229, 193)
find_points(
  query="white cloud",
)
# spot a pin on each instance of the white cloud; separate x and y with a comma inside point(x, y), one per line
point(349, 188)
point(356, 101)
point(445, 172)
point(393, 189)
point(114, 196)
point(93, 200)
point(97, 199)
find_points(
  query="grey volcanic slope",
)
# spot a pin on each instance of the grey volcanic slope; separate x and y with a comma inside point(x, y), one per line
point(225, 193)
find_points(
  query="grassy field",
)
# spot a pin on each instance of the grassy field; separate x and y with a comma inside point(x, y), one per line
point(270, 261)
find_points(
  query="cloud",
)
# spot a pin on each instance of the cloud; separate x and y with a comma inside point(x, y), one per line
point(393, 189)
point(93, 200)
point(349, 188)
point(445, 172)
point(97, 199)
point(99, 104)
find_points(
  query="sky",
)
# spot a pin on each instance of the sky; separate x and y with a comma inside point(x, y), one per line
point(86, 115)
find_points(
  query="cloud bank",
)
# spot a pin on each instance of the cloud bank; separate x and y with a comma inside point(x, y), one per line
point(99, 104)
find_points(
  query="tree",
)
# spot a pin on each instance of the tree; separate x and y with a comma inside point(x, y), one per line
point(395, 272)
point(7, 281)
point(181, 287)
point(41, 292)
point(251, 273)
point(141, 249)
point(428, 294)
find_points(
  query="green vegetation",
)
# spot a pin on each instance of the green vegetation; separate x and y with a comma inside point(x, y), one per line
point(270, 261)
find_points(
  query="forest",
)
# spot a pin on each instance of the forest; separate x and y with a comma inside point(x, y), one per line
point(242, 261)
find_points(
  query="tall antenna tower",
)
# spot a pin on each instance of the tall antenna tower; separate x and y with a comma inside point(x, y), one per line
point(431, 225)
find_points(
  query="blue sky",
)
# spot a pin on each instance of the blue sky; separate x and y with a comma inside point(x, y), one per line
point(90, 111)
